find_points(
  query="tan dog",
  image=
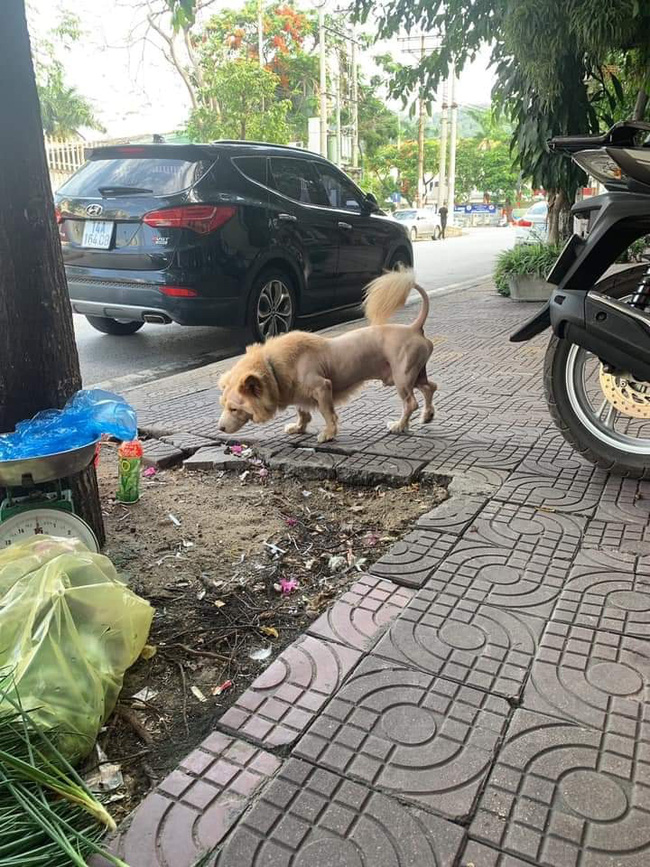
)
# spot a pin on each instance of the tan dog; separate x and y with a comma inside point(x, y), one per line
point(308, 371)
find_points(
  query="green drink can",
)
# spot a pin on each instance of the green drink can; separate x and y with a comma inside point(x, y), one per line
point(129, 466)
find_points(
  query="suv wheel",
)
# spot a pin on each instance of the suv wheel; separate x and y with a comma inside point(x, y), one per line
point(119, 327)
point(400, 261)
point(272, 307)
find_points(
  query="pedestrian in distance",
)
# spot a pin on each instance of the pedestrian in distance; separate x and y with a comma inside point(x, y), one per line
point(443, 219)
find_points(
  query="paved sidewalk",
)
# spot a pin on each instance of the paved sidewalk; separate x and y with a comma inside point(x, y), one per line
point(481, 697)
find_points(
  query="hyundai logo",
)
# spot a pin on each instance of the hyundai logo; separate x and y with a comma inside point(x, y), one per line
point(94, 210)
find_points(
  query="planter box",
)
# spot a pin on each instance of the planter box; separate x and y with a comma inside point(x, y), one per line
point(528, 287)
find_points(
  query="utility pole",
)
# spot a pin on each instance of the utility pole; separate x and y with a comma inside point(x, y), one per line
point(323, 80)
point(355, 103)
point(442, 176)
point(453, 135)
point(260, 31)
point(337, 99)
point(421, 124)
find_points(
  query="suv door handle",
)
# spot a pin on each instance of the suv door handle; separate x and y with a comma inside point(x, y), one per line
point(345, 226)
point(288, 218)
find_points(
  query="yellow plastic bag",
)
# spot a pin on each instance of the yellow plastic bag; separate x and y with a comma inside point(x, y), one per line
point(69, 629)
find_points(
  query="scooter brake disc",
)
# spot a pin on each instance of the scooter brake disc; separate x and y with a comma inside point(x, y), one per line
point(628, 395)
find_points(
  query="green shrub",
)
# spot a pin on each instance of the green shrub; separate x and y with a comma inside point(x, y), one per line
point(635, 252)
point(534, 259)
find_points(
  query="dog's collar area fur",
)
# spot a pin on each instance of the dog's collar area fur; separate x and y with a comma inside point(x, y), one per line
point(273, 372)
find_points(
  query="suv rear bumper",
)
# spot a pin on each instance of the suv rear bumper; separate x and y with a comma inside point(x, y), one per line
point(145, 302)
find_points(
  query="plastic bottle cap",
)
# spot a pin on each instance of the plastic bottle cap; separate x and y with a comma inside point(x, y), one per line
point(131, 449)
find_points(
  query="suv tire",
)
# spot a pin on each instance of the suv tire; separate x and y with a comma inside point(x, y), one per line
point(272, 307)
point(118, 327)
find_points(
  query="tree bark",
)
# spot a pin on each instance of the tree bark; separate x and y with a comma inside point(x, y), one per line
point(559, 209)
point(39, 366)
point(640, 105)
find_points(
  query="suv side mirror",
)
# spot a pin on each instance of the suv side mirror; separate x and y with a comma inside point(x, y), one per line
point(371, 199)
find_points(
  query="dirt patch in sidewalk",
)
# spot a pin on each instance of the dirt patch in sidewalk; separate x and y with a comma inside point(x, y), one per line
point(212, 553)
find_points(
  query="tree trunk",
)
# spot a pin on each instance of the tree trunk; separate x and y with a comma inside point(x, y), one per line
point(39, 366)
point(559, 212)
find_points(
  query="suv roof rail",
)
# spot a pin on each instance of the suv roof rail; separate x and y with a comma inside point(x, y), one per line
point(266, 144)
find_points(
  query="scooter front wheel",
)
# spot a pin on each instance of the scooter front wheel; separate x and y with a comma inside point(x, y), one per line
point(606, 418)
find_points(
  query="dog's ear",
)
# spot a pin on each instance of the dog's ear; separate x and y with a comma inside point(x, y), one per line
point(252, 385)
point(225, 379)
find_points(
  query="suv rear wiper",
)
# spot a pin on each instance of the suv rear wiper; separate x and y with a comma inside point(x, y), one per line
point(122, 191)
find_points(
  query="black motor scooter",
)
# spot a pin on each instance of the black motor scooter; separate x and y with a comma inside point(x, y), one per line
point(597, 365)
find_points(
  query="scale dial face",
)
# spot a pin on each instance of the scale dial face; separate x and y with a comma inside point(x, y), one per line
point(46, 522)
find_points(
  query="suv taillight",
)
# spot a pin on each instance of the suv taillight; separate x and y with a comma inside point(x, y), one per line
point(524, 223)
point(202, 219)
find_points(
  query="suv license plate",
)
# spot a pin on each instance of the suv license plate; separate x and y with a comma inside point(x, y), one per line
point(98, 234)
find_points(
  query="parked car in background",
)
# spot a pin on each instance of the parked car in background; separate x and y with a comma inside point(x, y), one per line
point(420, 222)
point(226, 234)
point(532, 227)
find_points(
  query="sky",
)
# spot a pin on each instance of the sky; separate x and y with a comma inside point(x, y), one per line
point(134, 90)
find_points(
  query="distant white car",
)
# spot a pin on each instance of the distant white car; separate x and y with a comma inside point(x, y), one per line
point(532, 228)
point(420, 222)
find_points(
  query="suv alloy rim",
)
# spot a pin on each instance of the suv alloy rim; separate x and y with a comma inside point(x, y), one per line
point(274, 309)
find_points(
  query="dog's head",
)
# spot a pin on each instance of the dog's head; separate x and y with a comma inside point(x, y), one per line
point(249, 393)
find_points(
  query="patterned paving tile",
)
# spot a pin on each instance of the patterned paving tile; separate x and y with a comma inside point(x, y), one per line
point(420, 447)
point(457, 639)
point(309, 817)
point(284, 699)
point(362, 614)
point(192, 810)
point(504, 577)
point(421, 738)
point(566, 796)
point(377, 470)
point(475, 481)
point(452, 516)
point(528, 530)
point(478, 855)
point(305, 462)
point(628, 538)
point(552, 454)
point(577, 491)
point(592, 678)
point(606, 591)
point(412, 560)
point(465, 454)
point(625, 501)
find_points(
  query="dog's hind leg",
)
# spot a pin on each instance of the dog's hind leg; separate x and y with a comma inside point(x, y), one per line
point(409, 404)
point(323, 394)
point(300, 425)
point(428, 388)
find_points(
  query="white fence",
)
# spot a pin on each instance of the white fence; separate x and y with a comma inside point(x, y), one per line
point(65, 157)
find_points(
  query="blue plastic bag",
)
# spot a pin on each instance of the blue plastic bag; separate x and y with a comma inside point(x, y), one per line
point(85, 417)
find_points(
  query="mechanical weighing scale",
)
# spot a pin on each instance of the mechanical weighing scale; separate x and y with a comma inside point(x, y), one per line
point(38, 501)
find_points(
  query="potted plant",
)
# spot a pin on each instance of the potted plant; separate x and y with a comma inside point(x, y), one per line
point(521, 271)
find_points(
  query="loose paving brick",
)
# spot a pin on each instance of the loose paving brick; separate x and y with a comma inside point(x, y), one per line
point(215, 458)
point(452, 516)
point(625, 501)
point(577, 491)
point(305, 463)
point(564, 796)
point(309, 817)
point(191, 811)
point(159, 454)
point(412, 560)
point(606, 591)
point(284, 699)
point(477, 480)
point(362, 614)
point(527, 529)
point(371, 470)
point(592, 678)
point(421, 738)
point(509, 578)
point(476, 645)
point(189, 443)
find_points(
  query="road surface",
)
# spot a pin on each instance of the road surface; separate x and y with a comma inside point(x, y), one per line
point(161, 350)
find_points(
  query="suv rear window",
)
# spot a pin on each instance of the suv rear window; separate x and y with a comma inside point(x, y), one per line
point(254, 168)
point(296, 179)
point(162, 176)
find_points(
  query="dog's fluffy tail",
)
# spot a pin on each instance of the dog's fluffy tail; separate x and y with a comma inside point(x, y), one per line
point(385, 295)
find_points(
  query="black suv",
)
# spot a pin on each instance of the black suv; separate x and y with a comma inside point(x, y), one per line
point(227, 234)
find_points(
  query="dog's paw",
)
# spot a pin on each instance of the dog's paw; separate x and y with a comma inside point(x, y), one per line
point(427, 417)
point(294, 428)
point(325, 436)
point(398, 427)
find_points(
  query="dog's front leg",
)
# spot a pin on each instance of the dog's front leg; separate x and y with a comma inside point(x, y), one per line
point(325, 401)
point(300, 425)
point(410, 404)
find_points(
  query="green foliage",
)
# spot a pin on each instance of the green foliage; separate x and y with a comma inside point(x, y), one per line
point(239, 102)
point(485, 168)
point(379, 169)
point(63, 109)
point(524, 259)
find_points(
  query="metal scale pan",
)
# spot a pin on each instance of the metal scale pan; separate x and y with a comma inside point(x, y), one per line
point(30, 472)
